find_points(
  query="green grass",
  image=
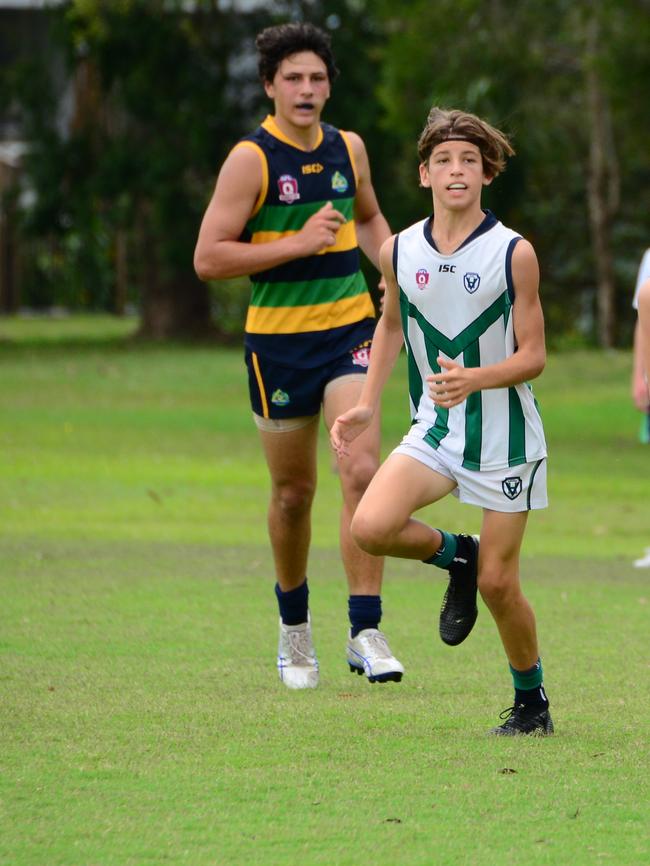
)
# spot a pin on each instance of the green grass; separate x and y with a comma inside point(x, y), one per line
point(141, 720)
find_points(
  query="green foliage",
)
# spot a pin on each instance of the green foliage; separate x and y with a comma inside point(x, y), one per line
point(523, 67)
point(164, 89)
point(155, 114)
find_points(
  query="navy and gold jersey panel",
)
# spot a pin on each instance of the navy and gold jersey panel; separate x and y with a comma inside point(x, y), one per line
point(314, 293)
point(298, 176)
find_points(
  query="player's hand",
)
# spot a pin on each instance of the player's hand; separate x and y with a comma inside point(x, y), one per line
point(451, 385)
point(319, 232)
point(641, 394)
point(347, 427)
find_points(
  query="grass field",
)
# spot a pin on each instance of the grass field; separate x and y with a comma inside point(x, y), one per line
point(141, 718)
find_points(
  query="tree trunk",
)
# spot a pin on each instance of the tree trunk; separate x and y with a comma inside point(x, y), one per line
point(603, 188)
point(177, 308)
point(174, 304)
point(121, 272)
point(9, 247)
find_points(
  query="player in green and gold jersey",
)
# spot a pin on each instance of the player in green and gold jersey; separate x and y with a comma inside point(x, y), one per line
point(293, 204)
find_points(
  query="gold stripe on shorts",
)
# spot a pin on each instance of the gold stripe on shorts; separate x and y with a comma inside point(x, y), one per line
point(260, 385)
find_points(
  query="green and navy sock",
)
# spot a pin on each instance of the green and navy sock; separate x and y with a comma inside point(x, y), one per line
point(364, 612)
point(444, 555)
point(293, 604)
point(529, 686)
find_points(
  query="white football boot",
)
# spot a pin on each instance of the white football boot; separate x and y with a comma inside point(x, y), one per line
point(369, 654)
point(297, 662)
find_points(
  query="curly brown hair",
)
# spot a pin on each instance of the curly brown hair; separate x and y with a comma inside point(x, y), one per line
point(275, 43)
point(454, 125)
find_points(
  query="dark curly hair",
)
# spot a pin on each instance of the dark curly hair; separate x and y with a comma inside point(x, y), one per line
point(445, 125)
point(275, 43)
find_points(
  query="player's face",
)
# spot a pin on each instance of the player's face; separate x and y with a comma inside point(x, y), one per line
point(455, 174)
point(300, 89)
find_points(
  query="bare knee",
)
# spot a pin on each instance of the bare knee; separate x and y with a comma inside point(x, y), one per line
point(499, 587)
point(293, 499)
point(356, 475)
point(370, 533)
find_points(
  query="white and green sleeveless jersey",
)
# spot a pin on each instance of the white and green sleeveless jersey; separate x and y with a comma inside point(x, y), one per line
point(642, 276)
point(459, 306)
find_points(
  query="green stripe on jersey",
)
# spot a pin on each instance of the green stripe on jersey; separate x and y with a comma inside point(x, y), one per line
point(517, 430)
point(289, 218)
point(308, 294)
point(453, 347)
point(414, 375)
point(473, 414)
point(440, 429)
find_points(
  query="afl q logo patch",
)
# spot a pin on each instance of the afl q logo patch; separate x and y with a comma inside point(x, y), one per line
point(422, 278)
point(471, 282)
point(511, 487)
point(288, 188)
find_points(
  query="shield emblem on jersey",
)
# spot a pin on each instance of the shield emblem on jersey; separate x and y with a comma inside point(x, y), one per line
point(288, 189)
point(471, 281)
point(511, 487)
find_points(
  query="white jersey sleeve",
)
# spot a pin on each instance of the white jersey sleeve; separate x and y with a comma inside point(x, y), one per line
point(643, 275)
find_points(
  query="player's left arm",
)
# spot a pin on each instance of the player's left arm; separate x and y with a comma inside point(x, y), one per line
point(455, 383)
point(372, 227)
point(644, 330)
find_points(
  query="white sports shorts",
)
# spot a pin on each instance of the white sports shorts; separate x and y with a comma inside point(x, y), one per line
point(515, 488)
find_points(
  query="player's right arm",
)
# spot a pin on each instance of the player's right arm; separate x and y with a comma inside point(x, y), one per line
point(639, 385)
point(386, 345)
point(643, 335)
point(220, 253)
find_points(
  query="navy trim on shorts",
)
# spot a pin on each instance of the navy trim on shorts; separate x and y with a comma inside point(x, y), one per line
point(530, 483)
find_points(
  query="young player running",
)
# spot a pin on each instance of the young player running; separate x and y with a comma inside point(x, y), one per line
point(462, 294)
point(293, 204)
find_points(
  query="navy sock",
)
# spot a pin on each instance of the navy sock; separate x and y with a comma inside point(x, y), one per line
point(364, 612)
point(531, 696)
point(445, 553)
point(293, 604)
point(529, 685)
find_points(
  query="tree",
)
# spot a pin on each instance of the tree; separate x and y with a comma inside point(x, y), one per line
point(164, 89)
point(568, 97)
point(120, 188)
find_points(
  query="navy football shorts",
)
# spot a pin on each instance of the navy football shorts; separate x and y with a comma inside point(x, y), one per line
point(278, 391)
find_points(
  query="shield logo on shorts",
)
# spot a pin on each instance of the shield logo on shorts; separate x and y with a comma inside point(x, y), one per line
point(512, 487)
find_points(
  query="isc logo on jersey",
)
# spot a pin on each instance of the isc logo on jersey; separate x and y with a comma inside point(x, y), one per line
point(288, 187)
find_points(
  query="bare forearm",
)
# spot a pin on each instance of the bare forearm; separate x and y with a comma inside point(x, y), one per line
point(386, 346)
point(226, 259)
point(371, 234)
point(637, 366)
point(518, 368)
